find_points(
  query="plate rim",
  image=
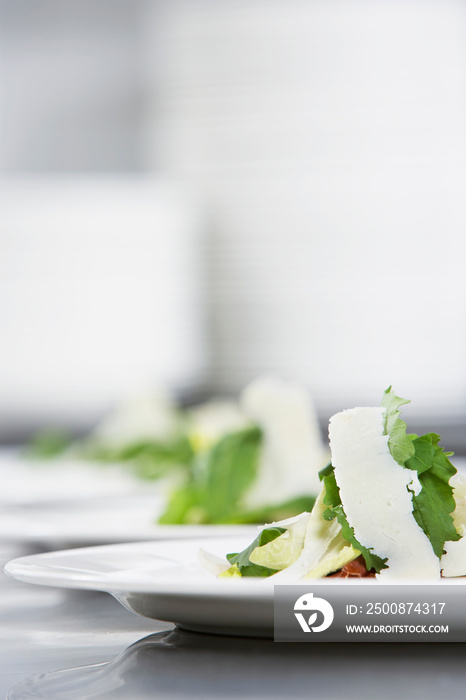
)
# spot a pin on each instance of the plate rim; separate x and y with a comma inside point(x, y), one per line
point(42, 532)
point(28, 570)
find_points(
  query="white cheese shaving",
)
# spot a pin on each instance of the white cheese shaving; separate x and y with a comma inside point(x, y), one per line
point(318, 537)
point(375, 496)
point(293, 451)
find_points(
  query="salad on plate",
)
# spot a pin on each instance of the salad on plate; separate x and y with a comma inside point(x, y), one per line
point(249, 460)
point(391, 506)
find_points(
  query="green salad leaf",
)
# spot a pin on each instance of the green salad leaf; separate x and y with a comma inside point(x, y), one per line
point(434, 504)
point(48, 444)
point(149, 459)
point(242, 561)
point(231, 468)
point(184, 507)
point(399, 443)
point(276, 511)
point(218, 481)
point(335, 510)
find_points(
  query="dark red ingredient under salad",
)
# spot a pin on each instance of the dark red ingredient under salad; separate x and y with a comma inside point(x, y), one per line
point(355, 569)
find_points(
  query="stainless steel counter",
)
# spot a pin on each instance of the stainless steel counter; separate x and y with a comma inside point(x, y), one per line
point(73, 645)
point(45, 629)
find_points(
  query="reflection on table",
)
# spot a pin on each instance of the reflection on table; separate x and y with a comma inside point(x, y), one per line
point(177, 664)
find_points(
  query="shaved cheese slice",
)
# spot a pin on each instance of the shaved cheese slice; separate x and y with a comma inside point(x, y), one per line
point(375, 493)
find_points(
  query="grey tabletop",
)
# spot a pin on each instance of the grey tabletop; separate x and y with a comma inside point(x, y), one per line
point(78, 645)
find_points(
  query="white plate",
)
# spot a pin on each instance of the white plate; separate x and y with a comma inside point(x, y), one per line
point(99, 521)
point(165, 581)
point(25, 480)
point(161, 580)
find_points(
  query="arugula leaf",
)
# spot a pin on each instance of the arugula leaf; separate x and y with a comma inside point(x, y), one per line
point(432, 507)
point(242, 561)
point(150, 459)
point(177, 450)
point(400, 445)
point(231, 468)
point(184, 507)
point(48, 444)
point(218, 481)
point(277, 511)
point(424, 451)
point(335, 510)
point(435, 502)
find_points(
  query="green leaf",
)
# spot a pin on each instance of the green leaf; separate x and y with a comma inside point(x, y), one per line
point(231, 468)
point(184, 507)
point(332, 492)
point(48, 444)
point(218, 481)
point(150, 459)
point(335, 510)
point(277, 511)
point(424, 452)
point(178, 450)
point(399, 443)
point(326, 471)
point(433, 506)
point(241, 559)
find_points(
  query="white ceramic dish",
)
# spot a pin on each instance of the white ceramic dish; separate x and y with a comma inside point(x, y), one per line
point(97, 521)
point(31, 481)
point(165, 581)
point(161, 580)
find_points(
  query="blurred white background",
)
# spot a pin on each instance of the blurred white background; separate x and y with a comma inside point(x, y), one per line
point(196, 192)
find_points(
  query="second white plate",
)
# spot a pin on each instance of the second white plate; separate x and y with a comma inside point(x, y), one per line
point(96, 521)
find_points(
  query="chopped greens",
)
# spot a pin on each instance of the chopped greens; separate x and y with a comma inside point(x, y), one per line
point(218, 481)
point(48, 444)
point(435, 503)
point(242, 561)
point(276, 511)
point(150, 459)
point(432, 507)
point(399, 443)
point(335, 510)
